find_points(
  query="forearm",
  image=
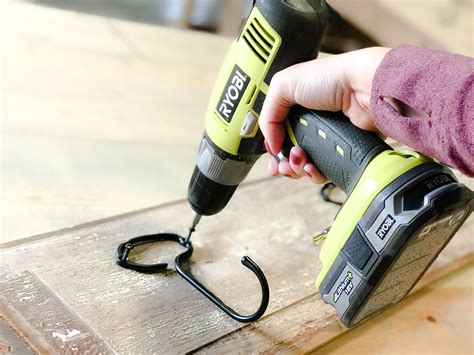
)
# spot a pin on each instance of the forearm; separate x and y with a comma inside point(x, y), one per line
point(424, 99)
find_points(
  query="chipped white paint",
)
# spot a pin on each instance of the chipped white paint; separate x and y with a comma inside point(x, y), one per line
point(26, 298)
point(67, 336)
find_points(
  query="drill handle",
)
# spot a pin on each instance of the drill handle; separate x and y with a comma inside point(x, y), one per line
point(340, 150)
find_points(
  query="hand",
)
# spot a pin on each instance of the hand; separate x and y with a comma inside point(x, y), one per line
point(336, 83)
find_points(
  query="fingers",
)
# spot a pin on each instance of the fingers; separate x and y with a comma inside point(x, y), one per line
point(285, 169)
point(273, 166)
point(298, 160)
point(276, 168)
point(295, 167)
point(314, 175)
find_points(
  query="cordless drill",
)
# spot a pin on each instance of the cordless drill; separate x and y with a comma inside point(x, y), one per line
point(402, 207)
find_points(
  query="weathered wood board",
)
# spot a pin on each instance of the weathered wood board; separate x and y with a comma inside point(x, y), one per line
point(72, 294)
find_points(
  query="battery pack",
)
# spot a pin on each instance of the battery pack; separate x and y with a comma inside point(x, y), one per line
point(402, 232)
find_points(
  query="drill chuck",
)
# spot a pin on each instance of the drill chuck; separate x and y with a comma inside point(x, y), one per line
point(215, 178)
point(208, 197)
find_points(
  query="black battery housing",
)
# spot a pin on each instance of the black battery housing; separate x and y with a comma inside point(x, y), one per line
point(402, 232)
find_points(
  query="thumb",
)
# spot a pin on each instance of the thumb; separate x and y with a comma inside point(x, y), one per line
point(275, 108)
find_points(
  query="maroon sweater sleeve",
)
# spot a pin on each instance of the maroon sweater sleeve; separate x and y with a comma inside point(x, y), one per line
point(425, 99)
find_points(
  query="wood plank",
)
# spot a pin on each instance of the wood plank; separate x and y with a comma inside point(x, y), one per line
point(43, 320)
point(132, 312)
point(439, 24)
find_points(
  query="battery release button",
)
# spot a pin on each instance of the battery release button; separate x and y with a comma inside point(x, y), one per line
point(249, 124)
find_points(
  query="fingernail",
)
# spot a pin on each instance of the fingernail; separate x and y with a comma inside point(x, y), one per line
point(306, 170)
point(295, 160)
point(297, 155)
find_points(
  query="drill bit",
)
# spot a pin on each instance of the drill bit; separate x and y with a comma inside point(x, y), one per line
point(192, 228)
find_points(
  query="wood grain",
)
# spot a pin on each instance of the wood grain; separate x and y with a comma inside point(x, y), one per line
point(133, 312)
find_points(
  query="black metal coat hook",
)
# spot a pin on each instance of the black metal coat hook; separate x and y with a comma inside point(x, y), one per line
point(124, 249)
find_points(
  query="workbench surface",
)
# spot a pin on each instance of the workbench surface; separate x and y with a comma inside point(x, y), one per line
point(65, 291)
point(103, 117)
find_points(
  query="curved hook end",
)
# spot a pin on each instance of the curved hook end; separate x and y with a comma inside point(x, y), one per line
point(248, 262)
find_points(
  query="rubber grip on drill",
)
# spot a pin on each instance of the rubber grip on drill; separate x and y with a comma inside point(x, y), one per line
point(340, 150)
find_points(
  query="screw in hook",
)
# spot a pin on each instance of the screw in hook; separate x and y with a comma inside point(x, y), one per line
point(124, 249)
point(192, 228)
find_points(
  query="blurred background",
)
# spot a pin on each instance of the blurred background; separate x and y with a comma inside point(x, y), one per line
point(104, 100)
point(346, 32)
point(222, 17)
